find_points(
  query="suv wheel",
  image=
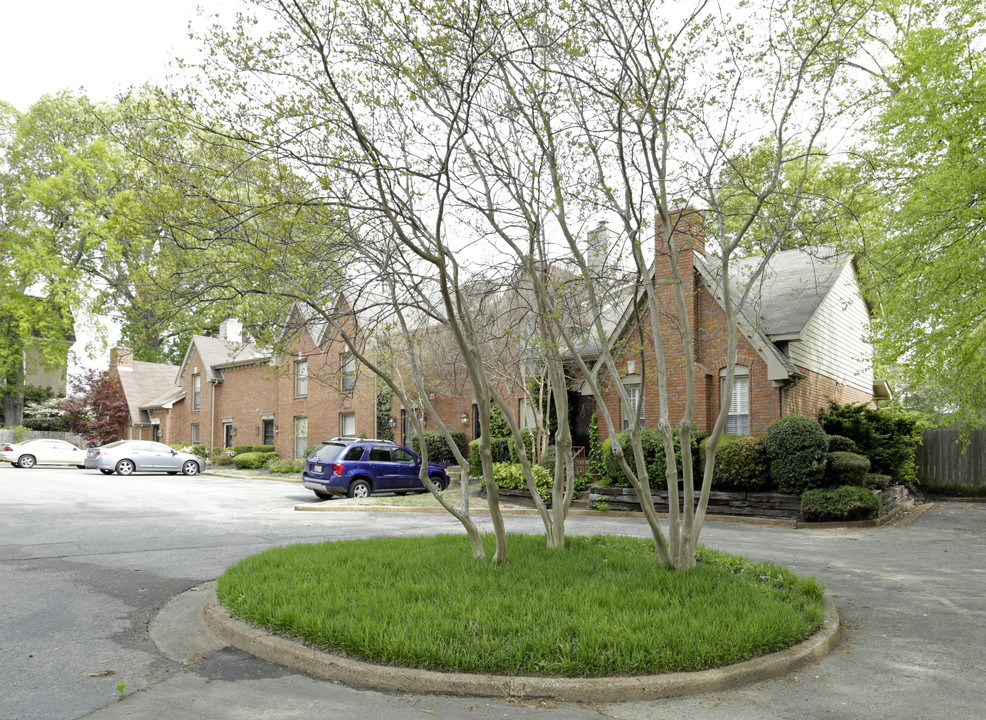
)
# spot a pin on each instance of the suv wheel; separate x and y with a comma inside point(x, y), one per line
point(438, 482)
point(359, 489)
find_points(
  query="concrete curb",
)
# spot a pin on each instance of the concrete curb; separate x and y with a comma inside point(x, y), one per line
point(360, 674)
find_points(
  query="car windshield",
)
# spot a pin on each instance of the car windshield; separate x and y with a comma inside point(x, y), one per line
point(329, 452)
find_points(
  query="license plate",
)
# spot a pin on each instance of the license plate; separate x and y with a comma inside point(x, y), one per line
point(317, 468)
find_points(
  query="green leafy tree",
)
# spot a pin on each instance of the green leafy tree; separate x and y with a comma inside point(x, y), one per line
point(928, 263)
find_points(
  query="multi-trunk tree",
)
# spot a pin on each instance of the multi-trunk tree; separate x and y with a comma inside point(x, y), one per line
point(472, 143)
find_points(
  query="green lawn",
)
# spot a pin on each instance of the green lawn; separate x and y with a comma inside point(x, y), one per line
point(603, 606)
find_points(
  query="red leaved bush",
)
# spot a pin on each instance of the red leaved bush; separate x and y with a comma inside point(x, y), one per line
point(98, 408)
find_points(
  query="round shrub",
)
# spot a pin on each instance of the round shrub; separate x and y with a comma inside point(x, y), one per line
point(878, 481)
point(796, 450)
point(840, 443)
point(843, 503)
point(741, 464)
point(889, 438)
point(846, 468)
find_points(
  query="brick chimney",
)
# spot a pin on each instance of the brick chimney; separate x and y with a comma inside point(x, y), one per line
point(121, 357)
point(687, 238)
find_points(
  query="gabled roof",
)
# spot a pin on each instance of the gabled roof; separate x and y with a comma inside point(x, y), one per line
point(142, 382)
point(791, 288)
point(217, 353)
point(786, 295)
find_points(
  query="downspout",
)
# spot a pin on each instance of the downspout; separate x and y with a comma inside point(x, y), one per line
point(212, 417)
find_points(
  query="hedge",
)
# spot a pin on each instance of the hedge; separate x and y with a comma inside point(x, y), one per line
point(510, 476)
point(240, 449)
point(499, 448)
point(741, 464)
point(438, 449)
point(264, 448)
point(846, 468)
point(253, 460)
point(796, 450)
point(652, 443)
point(844, 503)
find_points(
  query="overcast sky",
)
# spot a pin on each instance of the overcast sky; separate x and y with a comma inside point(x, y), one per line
point(104, 46)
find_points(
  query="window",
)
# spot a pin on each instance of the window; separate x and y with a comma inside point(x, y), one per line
point(195, 434)
point(300, 436)
point(301, 379)
point(156, 432)
point(403, 456)
point(635, 406)
point(347, 367)
point(269, 431)
point(196, 392)
point(347, 424)
point(354, 453)
point(228, 433)
point(738, 419)
point(527, 417)
point(379, 454)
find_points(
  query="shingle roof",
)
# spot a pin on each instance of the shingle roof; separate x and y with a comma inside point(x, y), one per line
point(142, 383)
point(216, 352)
point(793, 285)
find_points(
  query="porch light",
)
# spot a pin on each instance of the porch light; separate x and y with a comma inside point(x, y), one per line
point(465, 418)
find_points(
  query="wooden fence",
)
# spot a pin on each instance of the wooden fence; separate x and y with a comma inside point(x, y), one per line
point(7, 436)
point(946, 459)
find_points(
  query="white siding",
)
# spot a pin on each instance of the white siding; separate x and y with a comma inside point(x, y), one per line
point(834, 342)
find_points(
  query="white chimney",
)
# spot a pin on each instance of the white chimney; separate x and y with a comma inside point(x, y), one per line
point(231, 331)
point(597, 249)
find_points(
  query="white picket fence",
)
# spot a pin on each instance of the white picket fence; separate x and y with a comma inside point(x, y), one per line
point(7, 436)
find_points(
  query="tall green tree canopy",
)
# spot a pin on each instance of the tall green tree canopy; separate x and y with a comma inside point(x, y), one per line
point(929, 258)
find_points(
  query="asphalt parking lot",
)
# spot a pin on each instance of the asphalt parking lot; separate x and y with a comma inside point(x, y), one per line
point(88, 562)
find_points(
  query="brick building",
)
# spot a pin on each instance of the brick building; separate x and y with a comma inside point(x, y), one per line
point(228, 392)
point(801, 338)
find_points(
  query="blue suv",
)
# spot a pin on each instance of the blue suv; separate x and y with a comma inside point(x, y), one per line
point(358, 467)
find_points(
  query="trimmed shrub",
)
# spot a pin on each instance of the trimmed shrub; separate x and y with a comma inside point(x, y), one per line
point(438, 449)
point(499, 449)
point(253, 460)
point(796, 450)
point(240, 449)
point(264, 448)
point(510, 476)
point(846, 468)
point(199, 450)
point(843, 503)
point(653, 446)
point(840, 443)
point(878, 481)
point(889, 438)
point(741, 464)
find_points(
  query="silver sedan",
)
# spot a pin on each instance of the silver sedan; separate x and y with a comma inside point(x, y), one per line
point(128, 456)
point(42, 452)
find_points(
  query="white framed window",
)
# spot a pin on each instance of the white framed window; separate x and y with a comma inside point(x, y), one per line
point(347, 424)
point(196, 392)
point(634, 407)
point(528, 420)
point(300, 436)
point(347, 368)
point(738, 419)
point(301, 378)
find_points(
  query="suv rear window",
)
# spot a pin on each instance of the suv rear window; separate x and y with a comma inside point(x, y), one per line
point(329, 451)
point(354, 453)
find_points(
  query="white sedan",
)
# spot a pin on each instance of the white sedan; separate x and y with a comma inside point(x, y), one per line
point(42, 452)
